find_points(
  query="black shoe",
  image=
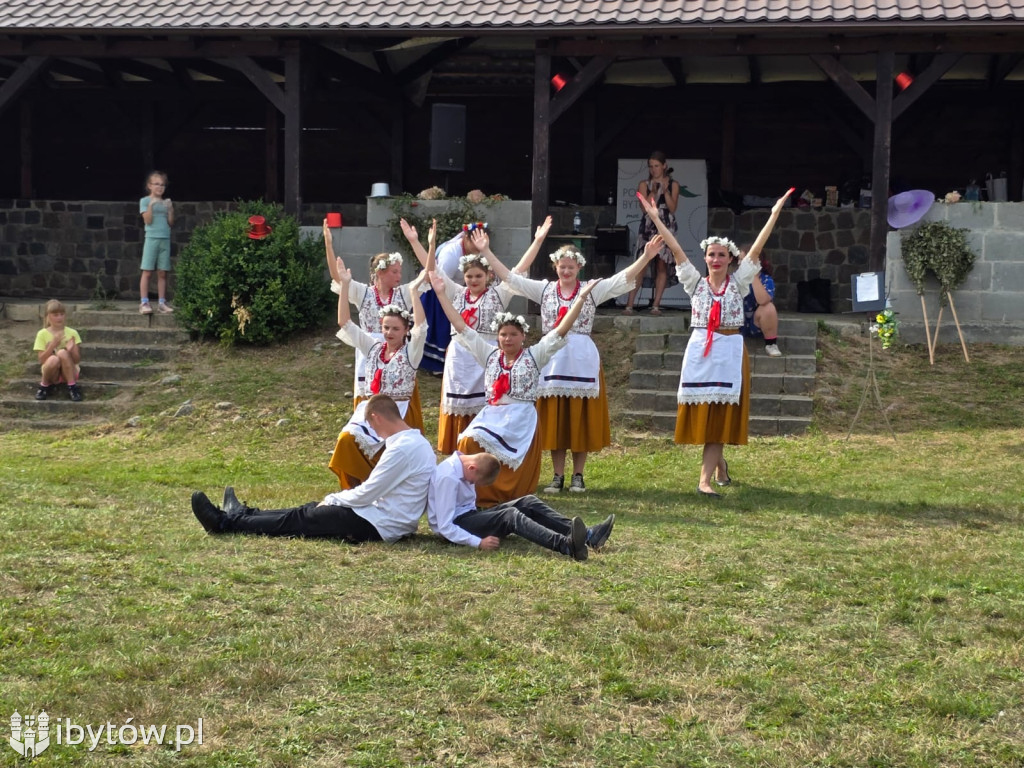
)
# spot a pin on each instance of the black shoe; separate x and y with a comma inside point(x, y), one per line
point(728, 479)
point(231, 505)
point(206, 513)
point(555, 486)
point(74, 393)
point(44, 391)
point(598, 535)
point(709, 494)
point(578, 539)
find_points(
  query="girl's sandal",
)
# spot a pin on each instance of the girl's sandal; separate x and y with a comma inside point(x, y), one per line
point(655, 311)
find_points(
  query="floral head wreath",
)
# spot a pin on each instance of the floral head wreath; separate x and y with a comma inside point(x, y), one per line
point(568, 252)
point(394, 309)
point(472, 260)
point(733, 248)
point(506, 318)
point(388, 260)
point(474, 225)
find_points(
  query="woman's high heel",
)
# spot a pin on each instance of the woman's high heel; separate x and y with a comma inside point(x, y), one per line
point(728, 480)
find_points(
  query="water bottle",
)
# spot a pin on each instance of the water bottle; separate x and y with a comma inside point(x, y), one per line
point(576, 223)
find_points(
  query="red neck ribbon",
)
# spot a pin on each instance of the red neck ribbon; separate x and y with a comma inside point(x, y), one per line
point(715, 316)
point(469, 316)
point(375, 384)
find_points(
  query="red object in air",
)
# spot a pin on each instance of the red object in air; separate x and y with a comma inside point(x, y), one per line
point(558, 80)
point(904, 80)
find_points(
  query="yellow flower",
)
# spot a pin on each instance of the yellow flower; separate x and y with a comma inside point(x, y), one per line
point(880, 318)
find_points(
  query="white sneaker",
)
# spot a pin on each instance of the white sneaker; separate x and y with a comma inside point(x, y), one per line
point(772, 350)
point(164, 307)
point(145, 309)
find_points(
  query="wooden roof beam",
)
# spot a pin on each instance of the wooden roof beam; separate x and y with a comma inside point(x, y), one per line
point(23, 76)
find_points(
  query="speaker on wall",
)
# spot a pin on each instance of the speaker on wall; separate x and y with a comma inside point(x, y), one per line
point(448, 137)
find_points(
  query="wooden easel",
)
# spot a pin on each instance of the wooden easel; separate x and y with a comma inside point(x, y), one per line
point(933, 339)
point(871, 386)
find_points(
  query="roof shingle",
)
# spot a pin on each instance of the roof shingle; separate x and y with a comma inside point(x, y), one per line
point(380, 15)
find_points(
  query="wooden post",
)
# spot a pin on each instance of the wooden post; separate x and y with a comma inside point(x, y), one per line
point(727, 179)
point(881, 155)
point(148, 136)
point(25, 140)
point(272, 157)
point(293, 86)
point(587, 191)
point(960, 333)
point(397, 148)
point(541, 132)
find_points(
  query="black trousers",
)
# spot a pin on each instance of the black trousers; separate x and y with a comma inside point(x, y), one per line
point(527, 517)
point(312, 520)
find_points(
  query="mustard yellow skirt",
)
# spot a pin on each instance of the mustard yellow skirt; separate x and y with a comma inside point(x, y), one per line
point(578, 424)
point(700, 423)
point(449, 426)
point(350, 464)
point(511, 483)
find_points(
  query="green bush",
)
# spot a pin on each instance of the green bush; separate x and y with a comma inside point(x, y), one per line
point(237, 289)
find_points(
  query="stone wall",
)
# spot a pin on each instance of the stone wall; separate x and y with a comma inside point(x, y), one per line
point(830, 243)
point(79, 249)
point(87, 249)
point(990, 304)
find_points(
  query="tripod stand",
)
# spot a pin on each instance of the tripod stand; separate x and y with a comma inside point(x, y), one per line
point(871, 386)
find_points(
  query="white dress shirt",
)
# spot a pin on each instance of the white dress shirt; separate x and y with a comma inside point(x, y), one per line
point(395, 494)
point(451, 495)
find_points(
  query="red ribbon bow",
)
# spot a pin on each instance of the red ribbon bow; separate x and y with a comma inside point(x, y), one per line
point(561, 313)
point(469, 316)
point(714, 320)
point(375, 384)
point(501, 388)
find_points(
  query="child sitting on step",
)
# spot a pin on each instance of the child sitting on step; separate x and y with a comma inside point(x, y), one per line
point(60, 353)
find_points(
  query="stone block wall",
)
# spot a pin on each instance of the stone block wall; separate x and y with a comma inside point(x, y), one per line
point(829, 243)
point(990, 304)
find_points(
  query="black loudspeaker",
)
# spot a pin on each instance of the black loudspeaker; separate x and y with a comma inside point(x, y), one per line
point(448, 137)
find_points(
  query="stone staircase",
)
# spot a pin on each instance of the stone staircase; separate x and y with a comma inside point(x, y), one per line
point(121, 351)
point(780, 387)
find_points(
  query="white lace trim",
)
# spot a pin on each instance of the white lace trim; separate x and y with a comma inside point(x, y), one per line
point(366, 444)
point(549, 391)
point(461, 410)
point(701, 398)
point(494, 448)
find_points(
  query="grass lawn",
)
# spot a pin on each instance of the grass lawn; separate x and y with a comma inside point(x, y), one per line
point(849, 603)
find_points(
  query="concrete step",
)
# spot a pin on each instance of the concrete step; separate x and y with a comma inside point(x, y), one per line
point(770, 426)
point(781, 383)
point(12, 424)
point(660, 379)
point(57, 407)
point(657, 421)
point(805, 365)
point(117, 353)
point(100, 390)
point(780, 405)
point(119, 373)
point(133, 335)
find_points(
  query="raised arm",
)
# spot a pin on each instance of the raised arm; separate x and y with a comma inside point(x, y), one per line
point(665, 232)
point(437, 281)
point(431, 263)
point(634, 270)
point(577, 306)
point(754, 254)
point(526, 261)
point(482, 241)
point(345, 278)
point(334, 263)
point(419, 317)
point(414, 242)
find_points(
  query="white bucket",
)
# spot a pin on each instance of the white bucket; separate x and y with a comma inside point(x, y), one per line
point(380, 189)
point(996, 189)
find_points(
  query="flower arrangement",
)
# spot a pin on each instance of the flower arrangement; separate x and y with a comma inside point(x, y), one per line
point(944, 250)
point(471, 260)
point(475, 196)
point(568, 252)
point(392, 258)
point(504, 318)
point(394, 309)
point(885, 327)
point(952, 197)
point(733, 248)
point(431, 193)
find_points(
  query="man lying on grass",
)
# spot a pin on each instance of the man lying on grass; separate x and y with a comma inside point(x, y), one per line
point(453, 514)
point(386, 507)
